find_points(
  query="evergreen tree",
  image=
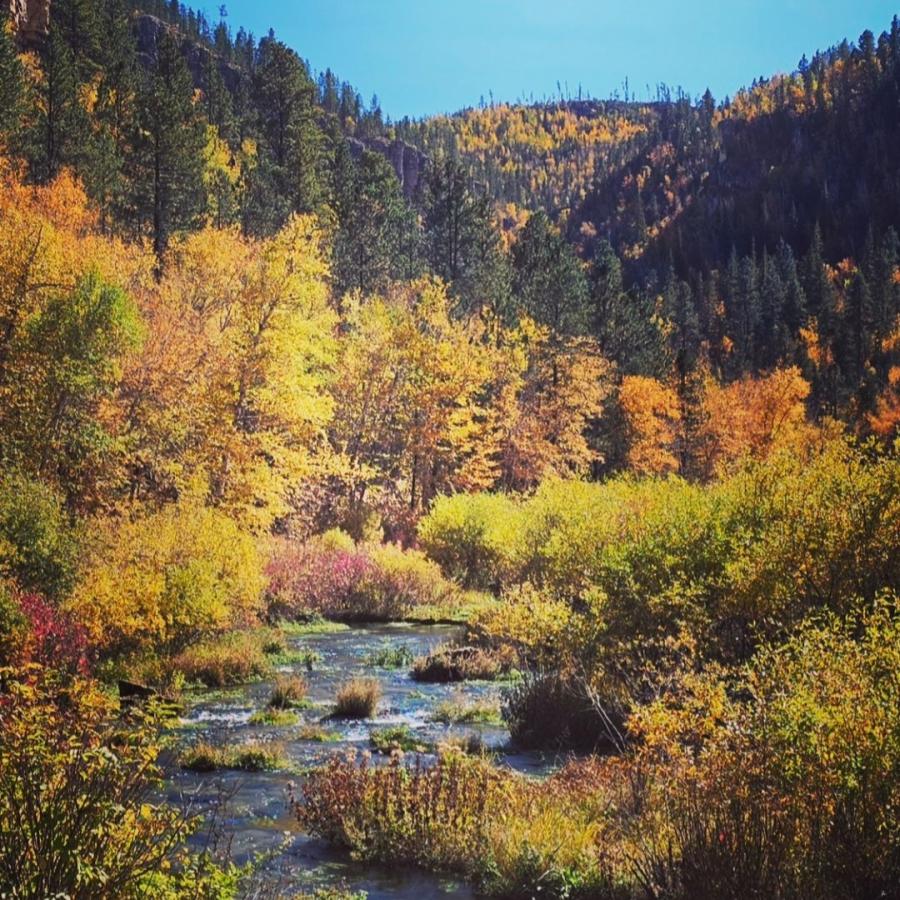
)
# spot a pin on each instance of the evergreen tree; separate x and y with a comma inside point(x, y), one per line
point(59, 129)
point(114, 111)
point(624, 323)
point(284, 97)
point(771, 342)
point(12, 84)
point(450, 219)
point(549, 282)
point(166, 167)
point(375, 240)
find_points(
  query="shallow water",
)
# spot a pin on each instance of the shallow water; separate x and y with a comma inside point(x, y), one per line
point(252, 807)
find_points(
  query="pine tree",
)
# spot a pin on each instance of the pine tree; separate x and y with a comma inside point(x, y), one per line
point(166, 167)
point(114, 112)
point(12, 84)
point(770, 341)
point(623, 323)
point(374, 242)
point(59, 131)
point(284, 97)
point(548, 281)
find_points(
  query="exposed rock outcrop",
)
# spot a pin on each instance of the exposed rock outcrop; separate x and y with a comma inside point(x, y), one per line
point(147, 32)
point(31, 20)
point(409, 162)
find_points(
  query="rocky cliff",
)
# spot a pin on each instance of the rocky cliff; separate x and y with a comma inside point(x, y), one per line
point(409, 162)
point(147, 32)
point(31, 19)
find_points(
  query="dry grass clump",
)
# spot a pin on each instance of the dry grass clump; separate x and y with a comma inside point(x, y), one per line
point(449, 664)
point(288, 691)
point(357, 699)
point(236, 658)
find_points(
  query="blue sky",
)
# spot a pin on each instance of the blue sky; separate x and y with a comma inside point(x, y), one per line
point(431, 56)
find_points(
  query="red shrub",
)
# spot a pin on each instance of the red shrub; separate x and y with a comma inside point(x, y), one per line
point(53, 638)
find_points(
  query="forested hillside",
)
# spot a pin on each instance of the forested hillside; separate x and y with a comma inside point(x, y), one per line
point(722, 239)
point(580, 415)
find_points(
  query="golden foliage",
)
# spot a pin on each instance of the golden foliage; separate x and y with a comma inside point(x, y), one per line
point(651, 414)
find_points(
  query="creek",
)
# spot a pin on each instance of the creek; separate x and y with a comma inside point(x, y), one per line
point(252, 811)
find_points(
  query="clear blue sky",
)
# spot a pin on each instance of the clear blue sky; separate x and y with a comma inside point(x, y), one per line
point(430, 56)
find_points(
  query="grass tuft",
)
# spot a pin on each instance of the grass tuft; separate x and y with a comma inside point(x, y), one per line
point(358, 699)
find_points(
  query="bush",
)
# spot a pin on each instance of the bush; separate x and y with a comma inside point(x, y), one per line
point(38, 547)
point(406, 578)
point(786, 784)
point(434, 816)
point(552, 711)
point(526, 622)
point(364, 583)
point(78, 786)
point(13, 625)
point(168, 579)
point(470, 536)
point(513, 836)
point(51, 638)
point(357, 699)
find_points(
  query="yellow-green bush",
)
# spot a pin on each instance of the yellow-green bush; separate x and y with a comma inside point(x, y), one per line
point(758, 551)
point(168, 578)
point(38, 546)
point(470, 536)
point(78, 815)
point(783, 784)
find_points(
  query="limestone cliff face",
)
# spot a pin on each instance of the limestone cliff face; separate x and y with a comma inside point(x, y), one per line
point(147, 32)
point(409, 162)
point(31, 19)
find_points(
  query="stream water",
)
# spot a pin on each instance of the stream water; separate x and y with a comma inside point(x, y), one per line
point(253, 813)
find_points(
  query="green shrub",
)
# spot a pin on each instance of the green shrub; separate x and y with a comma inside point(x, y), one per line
point(460, 711)
point(390, 658)
point(80, 814)
point(38, 547)
point(249, 757)
point(274, 718)
point(317, 734)
point(357, 699)
point(470, 536)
